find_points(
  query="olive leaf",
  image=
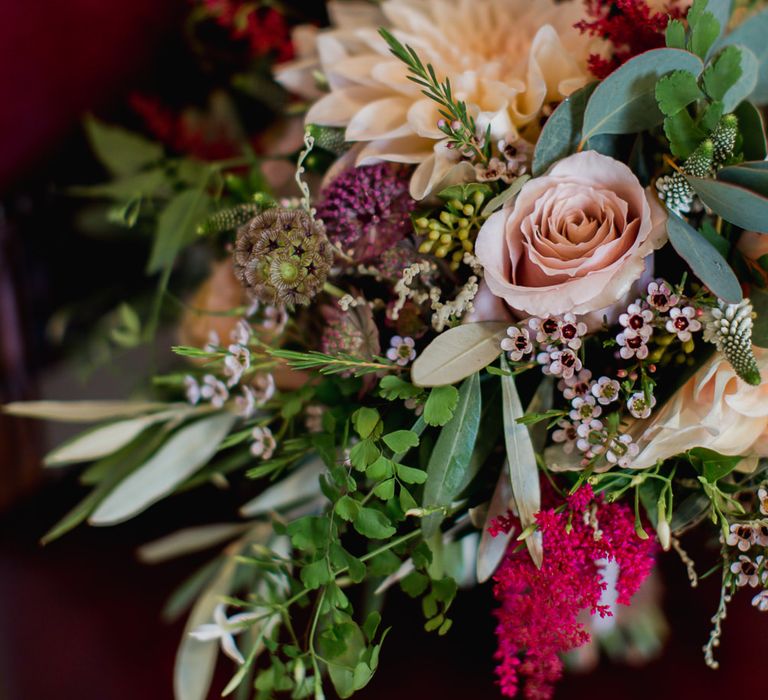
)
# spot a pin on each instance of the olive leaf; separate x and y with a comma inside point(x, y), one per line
point(458, 353)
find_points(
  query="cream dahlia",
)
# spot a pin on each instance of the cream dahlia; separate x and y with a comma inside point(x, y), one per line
point(507, 59)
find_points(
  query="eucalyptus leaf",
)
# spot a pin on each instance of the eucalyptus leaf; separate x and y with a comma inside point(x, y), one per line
point(521, 458)
point(751, 175)
point(704, 259)
point(82, 411)
point(746, 83)
point(752, 129)
point(759, 299)
point(448, 468)
point(739, 206)
point(458, 353)
point(752, 34)
point(625, 102)
point(182, 455)
point(561, 133)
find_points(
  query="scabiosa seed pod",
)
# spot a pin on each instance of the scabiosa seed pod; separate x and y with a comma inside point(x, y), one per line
point(729, 327)
point(283, 256)
point(366, 210)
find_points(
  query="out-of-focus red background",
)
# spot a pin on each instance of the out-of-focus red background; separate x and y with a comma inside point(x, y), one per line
point(79, 620)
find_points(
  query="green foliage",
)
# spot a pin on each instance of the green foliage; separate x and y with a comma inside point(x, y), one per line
point(751, 34)
point(392, 387)
point(331, 364)
point(464, 138)
point(723, 73)
point(674, 92)
point(712, 465)
point(759, 299)
point(373, 524)
point(738, 205)
point(625, 102)
point(562, 131)
point(440, 405)
point(448, 469)
point(122, 152)
point(704, 259)
point(401, 440)
point(675, 34)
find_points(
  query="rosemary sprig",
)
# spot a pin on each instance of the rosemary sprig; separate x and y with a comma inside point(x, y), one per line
point(332, 364)
point(457, 124)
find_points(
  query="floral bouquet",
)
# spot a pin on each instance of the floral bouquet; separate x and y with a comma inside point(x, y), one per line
point(507, 326)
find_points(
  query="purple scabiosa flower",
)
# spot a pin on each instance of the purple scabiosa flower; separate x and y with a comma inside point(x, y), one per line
point(367, 209)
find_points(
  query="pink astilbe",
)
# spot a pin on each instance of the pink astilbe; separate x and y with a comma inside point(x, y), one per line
point(539, 607)
point(629, 27)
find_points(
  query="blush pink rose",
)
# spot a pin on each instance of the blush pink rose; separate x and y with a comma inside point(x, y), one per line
point(753, 245)
point(576, 239)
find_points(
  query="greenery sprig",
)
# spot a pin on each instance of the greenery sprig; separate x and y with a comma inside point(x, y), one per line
point(458, 125)
point(332, 364)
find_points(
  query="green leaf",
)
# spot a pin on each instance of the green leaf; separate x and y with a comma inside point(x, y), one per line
point(381, 469)
point(722, 73)
point(521, 458)
point(129, 187)
point(560, 135)
point(458, 353)
point(403, 440)
point(186, 451)
point(711, 116)
point(363, 454)
point(448, 468)
point(759, 299)
point(176, 227)
point(365, 421)
point(507, 195)
point(316, 574)
point(717, 241)
point(385, 490)
point(114, 468)
point(704, 34)
point(675, 34)
point(753, 175)
point(373, 524)
point(713, 465)
point(676, 91)
point(410, 475)
point(440, 405)
point(625, 102)
point(105, 439)
point(122, 152)
point(414, 584)
point(752, 130)
point(347, 508)
point(683, 133)
point(752, 34)
point(392, 387)
point(739, 206)
point(82, 411)
point(746, 83)
point(705, 261)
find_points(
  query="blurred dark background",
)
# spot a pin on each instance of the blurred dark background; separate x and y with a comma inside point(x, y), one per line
point(80, 618)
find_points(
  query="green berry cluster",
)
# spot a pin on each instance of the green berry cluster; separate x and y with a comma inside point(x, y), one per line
point(450, 231)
